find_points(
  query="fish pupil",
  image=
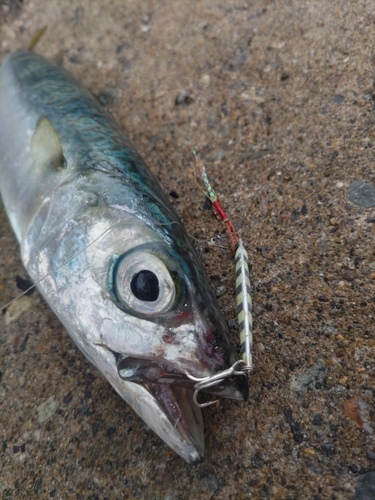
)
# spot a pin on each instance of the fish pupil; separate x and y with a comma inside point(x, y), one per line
point(145, 286)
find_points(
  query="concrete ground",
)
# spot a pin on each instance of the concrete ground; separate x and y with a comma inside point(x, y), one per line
point(279, 99)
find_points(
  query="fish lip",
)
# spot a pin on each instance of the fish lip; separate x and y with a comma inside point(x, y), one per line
point(159, 372)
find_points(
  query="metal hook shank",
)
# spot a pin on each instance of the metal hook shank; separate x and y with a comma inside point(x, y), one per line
point(206, 382)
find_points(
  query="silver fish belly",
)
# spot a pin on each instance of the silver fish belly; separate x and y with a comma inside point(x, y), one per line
point(107, 250)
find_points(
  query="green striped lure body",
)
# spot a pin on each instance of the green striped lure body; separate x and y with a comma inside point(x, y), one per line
point(244, 305)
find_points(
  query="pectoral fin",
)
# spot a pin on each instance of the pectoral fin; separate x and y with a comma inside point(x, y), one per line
point(46, 149)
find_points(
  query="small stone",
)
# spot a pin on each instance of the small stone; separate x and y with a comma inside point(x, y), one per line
point(67, 399)
point(90, 377)
point(340, 185)
point(38, 485)
point(324, 246)
point(284, 216)
point(111, 432)
point(357, 410)
point(338, 98)
point(365, 489)
point(107, 96)
point(220, 290)
point(343, 380)
point(362, 194)
point(85, 408)
point(301, 381)
point(17, 308)
point(322, 298)
point(183, 97)
point(329, 448)
point(246, 96)
point(315, 468)
point(25, 285)
point(365, 270)
point(212, 120)
point(309, 451)
point(27, 426)
point(260, 347)
point(145, 25)
point(317, 419)
point(212, 482)
point(338, 388)
point(167, 481)
point(372, 117)
point(205, 80)
point(349, 275)
point(296, 430)
point(94, 429)
point(370, 455)
point(46, 409)
point(174, 194)
point(223, 130)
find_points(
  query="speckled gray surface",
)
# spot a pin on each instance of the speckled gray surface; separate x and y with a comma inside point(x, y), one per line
point(278, 97)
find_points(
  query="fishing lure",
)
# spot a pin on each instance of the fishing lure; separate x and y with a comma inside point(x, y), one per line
point(243, 297)
point(108, 252)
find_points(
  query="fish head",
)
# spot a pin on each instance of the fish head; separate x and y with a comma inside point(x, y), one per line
point(135, 299)
point(167, 324)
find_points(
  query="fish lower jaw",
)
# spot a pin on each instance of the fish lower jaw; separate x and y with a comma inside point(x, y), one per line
point(177, 405)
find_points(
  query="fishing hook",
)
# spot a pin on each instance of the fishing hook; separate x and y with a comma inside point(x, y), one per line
point(206, 382)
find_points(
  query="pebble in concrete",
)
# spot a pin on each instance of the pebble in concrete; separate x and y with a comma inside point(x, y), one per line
point(47, 409)
point(362, 194)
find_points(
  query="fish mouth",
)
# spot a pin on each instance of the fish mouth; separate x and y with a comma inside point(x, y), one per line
point(173, 392)
point(157, 372)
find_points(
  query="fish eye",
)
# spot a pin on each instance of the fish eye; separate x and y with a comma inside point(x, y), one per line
point(144, 283)
point(145, 286)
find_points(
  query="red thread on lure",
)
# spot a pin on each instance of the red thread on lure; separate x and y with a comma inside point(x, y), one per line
point(211, 195)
